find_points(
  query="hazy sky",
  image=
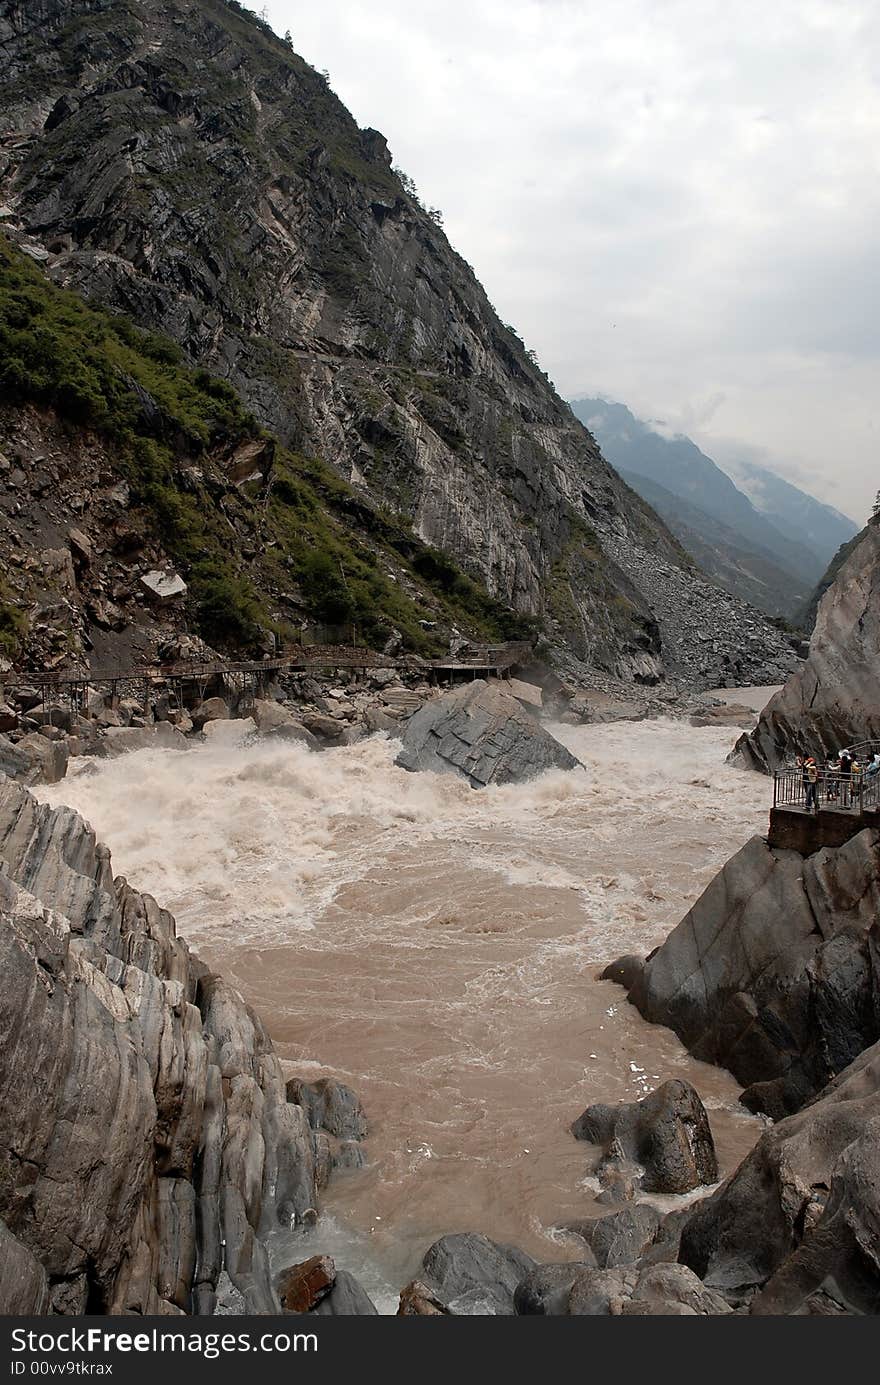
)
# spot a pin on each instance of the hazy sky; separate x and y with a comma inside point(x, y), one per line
point(675, 202)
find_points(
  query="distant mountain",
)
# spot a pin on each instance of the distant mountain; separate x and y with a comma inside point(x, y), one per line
point(719, 550)
point(770, 548)
point(796, 514)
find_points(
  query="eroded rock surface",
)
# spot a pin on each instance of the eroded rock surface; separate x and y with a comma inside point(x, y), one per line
point(146, 1142)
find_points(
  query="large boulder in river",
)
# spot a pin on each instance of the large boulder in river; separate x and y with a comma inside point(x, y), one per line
point(667, 1132)
point(482, 733)
point(833, 700)
point(775, 971)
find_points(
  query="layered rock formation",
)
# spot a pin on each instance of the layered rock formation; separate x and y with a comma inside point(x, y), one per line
point(147, 1144)
point(483, 733)
point(180, 164)
point(775, 971)
point(834, 699)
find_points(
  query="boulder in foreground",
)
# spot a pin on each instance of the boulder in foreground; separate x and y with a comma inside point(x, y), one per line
point(667, 1132)
point(484, 734)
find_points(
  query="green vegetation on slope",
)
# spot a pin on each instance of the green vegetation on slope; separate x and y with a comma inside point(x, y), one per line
point(306, 527)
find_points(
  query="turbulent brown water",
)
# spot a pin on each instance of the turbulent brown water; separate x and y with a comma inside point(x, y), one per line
point(438, 949)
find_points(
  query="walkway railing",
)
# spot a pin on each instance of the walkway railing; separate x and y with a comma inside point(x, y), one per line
point(854, 792)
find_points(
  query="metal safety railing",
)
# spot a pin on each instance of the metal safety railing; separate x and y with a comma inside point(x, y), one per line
point(854, 792)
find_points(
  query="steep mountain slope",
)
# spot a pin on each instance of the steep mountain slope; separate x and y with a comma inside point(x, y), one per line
point(678, 465)
point(807, 616)
point(794, 513)
point(834, 699)
point(719, 550)
point(117, 460)
point(180, 164)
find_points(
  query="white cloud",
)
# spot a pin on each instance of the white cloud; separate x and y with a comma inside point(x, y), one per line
point(675, 203)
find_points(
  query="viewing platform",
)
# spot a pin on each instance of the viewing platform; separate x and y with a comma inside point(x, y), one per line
point(806, 817)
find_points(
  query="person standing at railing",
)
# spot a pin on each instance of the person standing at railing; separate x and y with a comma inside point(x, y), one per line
point(832, 779)
point(874, 767)
point(811, 782)
point(846, 765)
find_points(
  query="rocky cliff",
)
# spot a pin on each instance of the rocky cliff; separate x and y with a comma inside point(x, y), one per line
point(147, 1145)
point(180, 164)
point(834, 699)
point(775, 971)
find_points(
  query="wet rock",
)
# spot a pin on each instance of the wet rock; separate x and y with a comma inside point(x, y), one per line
point(619, 1178)
point(119, 740)
point(347, 1298)
point(667, 1132)
point(625, 971)
point(482, 733)
point(545, 1290)
point(301, 1287)
point(375, 719)
point(473, 1275)
point(417, 1300)
point(624, 1236)
point(324, 728)
point(279, 722)
point(329, 1105)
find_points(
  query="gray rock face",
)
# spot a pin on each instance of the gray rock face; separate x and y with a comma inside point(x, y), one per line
point(834, 698)
point(146, 1142)
point(331, 1106)
point(347, 1298)
point(472, 1275)
point(774, 972)
point(544, 1292)
point(667, 1132)
point(35, 759)
point(24, 1289)
point(484, 734)
point(622, 1237)
point(335, 305)
point(799, 1220)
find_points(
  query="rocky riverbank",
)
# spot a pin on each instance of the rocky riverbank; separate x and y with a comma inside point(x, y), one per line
point(149, 1144)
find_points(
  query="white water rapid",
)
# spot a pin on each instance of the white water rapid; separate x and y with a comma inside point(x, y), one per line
point(437, 948)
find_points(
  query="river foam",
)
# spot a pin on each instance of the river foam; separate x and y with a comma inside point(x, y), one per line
point(437, 947)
